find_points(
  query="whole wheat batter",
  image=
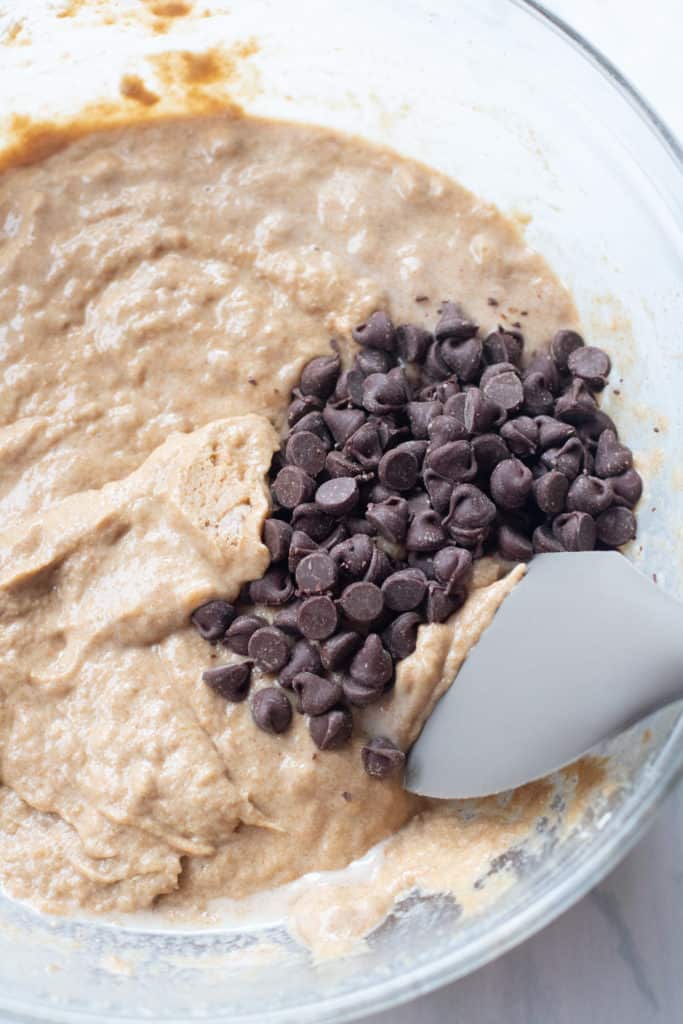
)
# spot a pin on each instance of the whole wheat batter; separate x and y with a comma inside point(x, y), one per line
point(161, 287)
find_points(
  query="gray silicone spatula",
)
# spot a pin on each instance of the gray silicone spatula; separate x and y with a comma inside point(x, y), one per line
point(582, 648)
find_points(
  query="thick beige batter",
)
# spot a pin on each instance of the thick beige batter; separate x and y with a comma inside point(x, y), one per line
point(161, 287)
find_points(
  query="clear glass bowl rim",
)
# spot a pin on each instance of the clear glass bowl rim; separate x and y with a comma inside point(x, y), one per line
point(627, 825)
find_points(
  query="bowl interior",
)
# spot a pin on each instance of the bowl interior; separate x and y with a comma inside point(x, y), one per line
point(495, 95)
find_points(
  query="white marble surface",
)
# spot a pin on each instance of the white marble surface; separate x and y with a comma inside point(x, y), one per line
point(617, 956)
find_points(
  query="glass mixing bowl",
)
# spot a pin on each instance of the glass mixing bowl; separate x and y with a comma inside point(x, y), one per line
point(515, 105)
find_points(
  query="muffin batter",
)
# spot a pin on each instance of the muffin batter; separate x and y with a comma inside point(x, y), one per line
point(161, 287)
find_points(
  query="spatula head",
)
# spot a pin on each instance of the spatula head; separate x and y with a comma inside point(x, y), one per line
point(581, 649)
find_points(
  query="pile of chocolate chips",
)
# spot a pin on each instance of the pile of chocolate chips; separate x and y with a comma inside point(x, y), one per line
point(430, 451)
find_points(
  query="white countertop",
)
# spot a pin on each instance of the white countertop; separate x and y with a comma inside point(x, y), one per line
point(617, 956)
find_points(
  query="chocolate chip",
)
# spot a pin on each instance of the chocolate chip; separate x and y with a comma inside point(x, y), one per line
point(336, 536)
point(510, 483)
point(521, 435)
point(576, 405)
point(444, 429)
point(470, 508)
point(238, 635)
point(320, 376)
point(378, 493)
point(331, 730)
point(616, 526)
point(423, 562)
point(379, 568)
point(342, 423)
point(398, 469)
point(376, 332)
point(300, 546)
point(400, 636)
point(569, 459)
point(313, 423)
point(381, 758)
point(357, 524)
point(271, 710)
point(440, 605)
point(563, 344)
point(503, 347)
point(481, 413)
point(339, 464)
point(453, 461)
point(353, 556)
point(439, 492)
point(425, 532)
point(354, 382)
point(277, 536)
point(385, 392)
point(575, 531)
point(472, 538)
point(287, 619)
point(505, 389)
point(365, 446)
point(495, 370)
point(591, 365)
point(338, 496)
point(390, 518)
point(489, 450)
point(316, 573)
point(362, 603)
point(269, 647)
point(373, 360)
point(390, 434)
point(589, 494)
point(211, 620)
point(611, 457)
point(513, 545)
point(453, 567)
point(304, 657)
point(300, 407)
point(293, 486)
point(538, 398)
point(231, 682)
point(316, 693)
point(318, 617)
point(545, 542)
point(428, 391)
point(372, 665)
point(306, 450)
point(434, 367)
point(627, 488)
point(420, 415)
point(418, 502)
point(590, 430)
point(360, 694)
point(462, 357)
point(454, 324)
point(553, 433)
point(543, 363)
point(550, 492)
point(311, 519)
point(339, 649)
point(413, 343)
point(454, 406)
point(342, 390)
point(274, 588)
point(404, 590)
point(441, 391)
